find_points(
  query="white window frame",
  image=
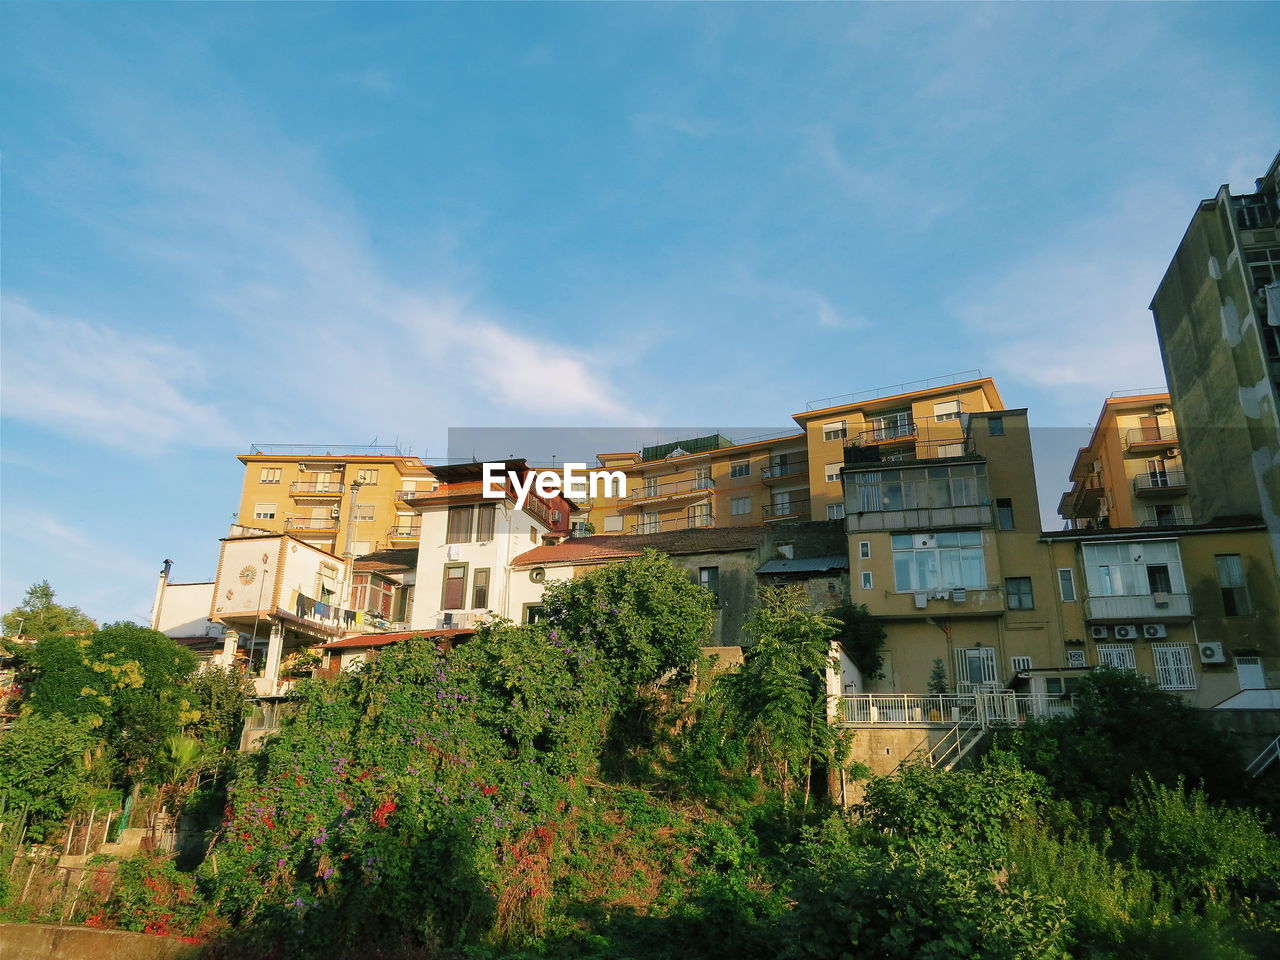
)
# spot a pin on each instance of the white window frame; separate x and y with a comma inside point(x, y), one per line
point(832, 472)
point(987, 656)
point(740, 507)
point(270, 475)
point(1175, 670)
point(264, 511)
point(1119, 656)
point(1020, 663)
point(835, 511)
point(1070, 581)
point(864, 549)
point(867, 580)
point(367, 476)
point(835, 430)
point(740, 468)
point(945, 558)
point(1076, 658)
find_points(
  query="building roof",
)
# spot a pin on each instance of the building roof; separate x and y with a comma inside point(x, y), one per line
point(621, 546)
point(398, 558)
point(805, 564)
point(1216, 525)
point(384, 639)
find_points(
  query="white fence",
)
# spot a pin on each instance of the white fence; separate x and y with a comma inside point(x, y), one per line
point(999, 707)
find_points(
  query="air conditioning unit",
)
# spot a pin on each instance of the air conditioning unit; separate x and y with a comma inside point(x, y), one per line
point(1126, 632)
point(1154, 631)
point(1172, 453)
point(555, 516)
point(1161, 408)
point(335, 513)
point(1212, 653)
point(1098, 633)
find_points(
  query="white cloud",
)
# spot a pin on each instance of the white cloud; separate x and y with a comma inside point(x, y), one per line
point(98, 384)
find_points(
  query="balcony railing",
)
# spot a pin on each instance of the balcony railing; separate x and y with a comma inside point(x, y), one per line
point(1256, 211)
point(402, 495)
point(795, 507)
point(310, 523)
point(1143, 438)
point(1002, 707)
point(792, 468)
point(313, 489)
point(1170, 481)
point(674, 523)
point(405, 530)
point(891, 432)
point(676, 488)
point(1135, 607)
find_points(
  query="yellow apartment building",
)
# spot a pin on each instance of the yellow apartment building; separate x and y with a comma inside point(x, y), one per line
point(339, 499)
point(793, 474)
point(944, 546)
point(1130, 473)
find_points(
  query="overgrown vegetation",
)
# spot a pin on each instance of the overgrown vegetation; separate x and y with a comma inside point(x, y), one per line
point(559, 790)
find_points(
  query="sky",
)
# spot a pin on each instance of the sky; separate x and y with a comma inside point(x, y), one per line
point(227, 224)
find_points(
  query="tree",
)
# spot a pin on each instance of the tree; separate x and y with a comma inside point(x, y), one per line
point(45, 765)
point(125, 681)
point(644, 614)
point(778, 698)
point(38, 616)
point(862, 638)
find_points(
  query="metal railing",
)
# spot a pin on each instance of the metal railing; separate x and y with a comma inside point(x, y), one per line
point(403, 495)
point(405, 530)
point(1269, 755)
point(791, 508)
point(305, 488)
point(673, 489)
point(310, 523)
point(1164, 480)
point(789, 469)
point(892, 390)
point(1151, 436)
point(897, 709)
point(326, 450)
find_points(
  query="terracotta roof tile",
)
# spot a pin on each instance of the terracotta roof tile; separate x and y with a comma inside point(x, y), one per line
point(383, 639)
point(621, 546)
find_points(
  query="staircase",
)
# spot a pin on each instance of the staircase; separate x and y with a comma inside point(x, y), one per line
point(1269, 755)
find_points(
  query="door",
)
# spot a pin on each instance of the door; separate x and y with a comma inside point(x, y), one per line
point(1150, 429)
point(1249, 673)
point(975, 668)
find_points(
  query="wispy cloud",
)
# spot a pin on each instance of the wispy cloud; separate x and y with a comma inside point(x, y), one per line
point(104, 386)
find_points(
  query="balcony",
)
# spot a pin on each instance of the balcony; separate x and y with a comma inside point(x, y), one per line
point(653, 493)
point(405, 531)
point(901, 431)
point(792, 508)
point(317, 491)
point(921, 518)
point(1256, 211)
point(1136, 607)
point(776, 471)
point(694, 522)
point(1147, 439)
point(1162, 484)
point(314, 524)
point(904, 709)
point(403, 495)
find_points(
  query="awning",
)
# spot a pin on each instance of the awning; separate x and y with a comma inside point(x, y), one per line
point(804, 564)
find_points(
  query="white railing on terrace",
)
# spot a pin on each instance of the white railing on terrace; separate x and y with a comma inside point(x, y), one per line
point(982, 708)
point(894, 389)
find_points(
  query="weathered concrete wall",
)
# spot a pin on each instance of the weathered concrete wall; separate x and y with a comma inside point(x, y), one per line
point(45, 941)
point(882, 746)
point(1248, 730)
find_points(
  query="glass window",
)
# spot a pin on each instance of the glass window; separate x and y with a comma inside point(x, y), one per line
point(995, 426)
point(1067, 585)
point(1235, 593)
point(740, 468)
point(1020, 664)
point(946, 410)
point(709, 577)
point(459, 525)
point(486, 519)
point(1004, 513)
point(866, 579)
point(363, 512)
point(864, 549)
point(943, 561)
point(835, 511)
point(832, 472)
point(455, 587)
point(1133, 568)
point(480, 589)
point(836, 430)
point(264, 511)
point(739, 506)
point(270, 475)
point(1017, 592)
point(368, 477)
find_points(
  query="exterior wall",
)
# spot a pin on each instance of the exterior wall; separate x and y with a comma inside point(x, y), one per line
point(1257, 634)
point(184, 611)
point(1222, 383)
point(738, 596)
point(296, 506)
point(507, 592)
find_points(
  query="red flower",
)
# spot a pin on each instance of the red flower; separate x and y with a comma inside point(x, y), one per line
point(489, 791)
point(380, 814)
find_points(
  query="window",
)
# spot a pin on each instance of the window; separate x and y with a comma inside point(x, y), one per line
point(613, 524)
point(740, 468)
point(866, 579)
point(995, 426)
point(702, 478)
point(533, 613)
point(1235, 595)
point(1004, 513)
point(1075, 658)
point(486, 517)
point(580, 528)
point(832, 472)
point(363, 512)
point(891, 426)
point(1067, 585)
point(453, 596)
point(975, 667)
point(835, 511)
point(953, 485)
point(270, 475)
point(835, 430)
point(787, 551)
point(533, 534)
point(699, 515)
point(709, 577)
point(946, 410)
point(368, 477)
point(943, 561)
point(1117, 655)
point(1020, 664)
point(1017, 591)
point(459, 525)
point(264, 511)
point(650, 486)
point(480, 589)
point(1173, 666)
point(1122, 569)
point(864, 549)
point(360, 548)
point(647, 523)
point(740, 506)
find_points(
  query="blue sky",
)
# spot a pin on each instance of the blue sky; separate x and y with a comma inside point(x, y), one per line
point(232, 223)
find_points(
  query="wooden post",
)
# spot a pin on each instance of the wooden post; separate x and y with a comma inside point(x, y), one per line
point(27, 885)
point(88, 832)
